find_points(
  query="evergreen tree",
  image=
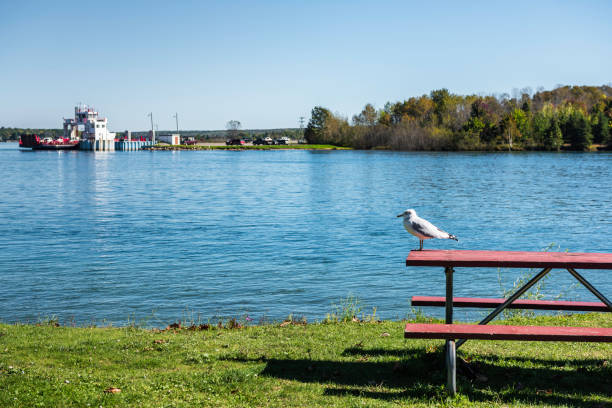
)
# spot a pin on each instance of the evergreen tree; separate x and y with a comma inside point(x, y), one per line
point(601, 128)
point(315, 131)
point(579, 131)
point(554, 137)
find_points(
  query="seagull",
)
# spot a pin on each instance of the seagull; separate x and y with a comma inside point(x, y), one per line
point(423, 229)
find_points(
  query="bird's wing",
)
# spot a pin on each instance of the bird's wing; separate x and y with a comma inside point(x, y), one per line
point(427, 229)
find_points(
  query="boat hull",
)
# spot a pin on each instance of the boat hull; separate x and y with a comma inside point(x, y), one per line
point(66, 146)
point(35, 143)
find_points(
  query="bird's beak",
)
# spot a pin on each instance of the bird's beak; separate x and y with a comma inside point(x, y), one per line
point(401, 215)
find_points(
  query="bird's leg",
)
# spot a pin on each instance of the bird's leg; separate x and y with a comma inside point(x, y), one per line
point(420, 244)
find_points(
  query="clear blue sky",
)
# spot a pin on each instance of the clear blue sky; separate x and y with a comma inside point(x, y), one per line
point(266, 63)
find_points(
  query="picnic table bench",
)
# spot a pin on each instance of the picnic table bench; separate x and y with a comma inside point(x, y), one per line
point(450, 259)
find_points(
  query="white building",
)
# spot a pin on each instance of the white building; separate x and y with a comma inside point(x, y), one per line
point(173, 139)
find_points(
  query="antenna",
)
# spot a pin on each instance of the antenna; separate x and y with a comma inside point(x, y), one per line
point(152, 129)
point(302, 126)
point(176, 117)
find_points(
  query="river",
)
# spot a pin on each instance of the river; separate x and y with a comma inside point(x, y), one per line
point(157, 237)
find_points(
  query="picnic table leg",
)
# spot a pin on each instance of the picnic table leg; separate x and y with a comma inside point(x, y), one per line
point(590, 287)
point(451, 367)
point(511, 299)
point(451, 357)
point(449, 294)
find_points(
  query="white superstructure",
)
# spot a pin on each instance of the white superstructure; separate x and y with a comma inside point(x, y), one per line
point(94, 134)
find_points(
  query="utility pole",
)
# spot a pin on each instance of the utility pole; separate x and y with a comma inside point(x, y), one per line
point(176, 117)
point(152, 129)
point(302, 127)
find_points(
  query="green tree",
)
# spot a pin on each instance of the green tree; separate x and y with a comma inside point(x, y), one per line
point(564, 114)
point(441, 99)
point(553, 139)
point(601, 128)
point(511, 132)
point(540, 126)
point(315, 131)
point(522, 124)
point(579, 131)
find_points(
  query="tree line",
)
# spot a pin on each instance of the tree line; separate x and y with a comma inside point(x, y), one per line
point(12, 134)
point(568, 117)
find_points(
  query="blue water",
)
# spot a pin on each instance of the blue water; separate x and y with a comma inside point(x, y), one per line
point(163, 236)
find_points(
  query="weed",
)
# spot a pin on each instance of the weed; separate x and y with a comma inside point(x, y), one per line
point(536, 292)
point(345, 311)
point(417, 315)
point(349, 310)
point(264, 320)
point(190, 318)
point(48, 321)
point(233, 324)
point(291, 320)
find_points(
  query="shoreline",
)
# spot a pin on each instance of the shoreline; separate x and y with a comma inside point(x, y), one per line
point(158, 147)
point(222, 146)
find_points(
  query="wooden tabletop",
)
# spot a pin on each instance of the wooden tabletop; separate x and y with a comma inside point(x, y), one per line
point(509, 259)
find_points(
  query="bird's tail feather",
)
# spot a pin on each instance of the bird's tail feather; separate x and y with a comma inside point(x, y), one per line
point(451, 236)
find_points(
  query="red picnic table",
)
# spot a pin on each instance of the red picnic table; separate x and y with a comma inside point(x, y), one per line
point(450, 259)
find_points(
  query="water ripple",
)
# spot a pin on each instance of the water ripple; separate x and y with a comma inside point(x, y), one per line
point(131, 234)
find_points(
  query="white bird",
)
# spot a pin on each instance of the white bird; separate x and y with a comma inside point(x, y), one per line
point(423, 229)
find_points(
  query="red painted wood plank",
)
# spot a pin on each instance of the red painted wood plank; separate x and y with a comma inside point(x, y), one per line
point(509, 259)
point(517, 304)
point(495, 332)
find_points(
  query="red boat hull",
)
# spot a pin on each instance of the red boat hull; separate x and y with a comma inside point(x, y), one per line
point(34, 142)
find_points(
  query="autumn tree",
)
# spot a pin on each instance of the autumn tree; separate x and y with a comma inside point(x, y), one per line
point(367, 117)
point(441, 120)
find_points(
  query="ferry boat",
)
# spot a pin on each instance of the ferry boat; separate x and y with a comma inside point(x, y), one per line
point(34, 142)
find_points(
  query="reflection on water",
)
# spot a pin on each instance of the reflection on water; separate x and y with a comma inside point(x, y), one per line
point(141, 234)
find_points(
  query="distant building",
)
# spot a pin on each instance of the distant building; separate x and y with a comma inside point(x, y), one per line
point(173, 139)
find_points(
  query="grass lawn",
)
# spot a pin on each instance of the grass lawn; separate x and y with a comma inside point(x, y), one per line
point(337, 364)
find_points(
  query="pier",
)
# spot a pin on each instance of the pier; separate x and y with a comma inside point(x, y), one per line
point(130, 145)
point(112, 145)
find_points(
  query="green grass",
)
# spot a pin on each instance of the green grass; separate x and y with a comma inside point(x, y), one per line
point(271, 147)
point(346, 364)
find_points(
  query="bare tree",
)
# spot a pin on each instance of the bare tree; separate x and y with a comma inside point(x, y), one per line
point(233, 126)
